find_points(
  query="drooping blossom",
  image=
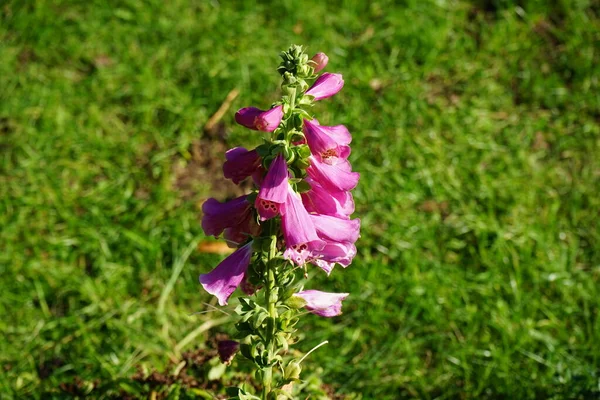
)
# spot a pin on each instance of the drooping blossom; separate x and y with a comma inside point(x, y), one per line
point(320, 60)
point(227, 350)
point(326, 85)
point(240, 164)
point(217, 216)
point(227, 276)
point(339, 236)
point(338, 177)
point(318, 200)
point(259, 120)
point(327, 142)
point(298, 230)
point(273, 189)
point(333, 253)
point(336, 229)
point(323, 304)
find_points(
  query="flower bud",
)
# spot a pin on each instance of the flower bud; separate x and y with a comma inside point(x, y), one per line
point(320, 61)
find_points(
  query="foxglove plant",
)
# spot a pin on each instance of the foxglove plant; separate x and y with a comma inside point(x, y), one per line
point(297, 214)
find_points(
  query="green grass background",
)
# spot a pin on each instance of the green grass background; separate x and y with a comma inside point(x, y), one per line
point(476, 130)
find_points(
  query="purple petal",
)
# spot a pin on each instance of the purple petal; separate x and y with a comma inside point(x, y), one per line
point(326, 86)
point(247, 117)
point(216, 216)
point(240, 164)
point(269, 120)
point(323, 303)
point(273, 190)
point(227, 276)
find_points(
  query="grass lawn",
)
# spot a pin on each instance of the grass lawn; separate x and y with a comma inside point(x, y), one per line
point(477, 133)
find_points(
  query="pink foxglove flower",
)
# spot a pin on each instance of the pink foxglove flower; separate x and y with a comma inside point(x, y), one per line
point(318, 200)
point(218, 216)
point(334, 253)
point(338, 177)
point(323, 304)
point(240, 164)
point(326, 86)
point(273, 189)
point(259, 120)
point(324, 141)
point(227, 276)
point(320, 60)
point(298, 230)
point(336, 229)
point(227, 350)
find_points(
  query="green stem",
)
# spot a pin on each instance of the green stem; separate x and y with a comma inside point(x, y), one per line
point(270, 306)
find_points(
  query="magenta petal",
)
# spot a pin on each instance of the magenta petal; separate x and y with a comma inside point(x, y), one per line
point(318, 200)
point(273, 190)
point(338, 177)
point(240, 164)
point(336, 229)
point(320, 60)
point(269, 120)
point(323, 304)
point(227, 276)
point(326, 86)
point(323, 144)
point(216, 216)
point(334, 253)
point(247, 117)
point(298, 230)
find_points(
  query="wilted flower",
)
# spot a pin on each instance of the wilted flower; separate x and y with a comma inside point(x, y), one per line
point(326, 86)
point(323, 303)
point(259, 120)
point(227, 350)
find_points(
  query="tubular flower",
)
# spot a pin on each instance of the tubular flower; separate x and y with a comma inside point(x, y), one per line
point(336, 229)
point(320, 60)
point(240, 164)
point(227, 276)
point(298, 230)
point(247, 227)
point(273, 189)
point(326, 86)
point(338, 177)
point(327, 142)
point(334, 253)
point(323, 304)
point(219, 216)
point(259, 120)
point(318, 200)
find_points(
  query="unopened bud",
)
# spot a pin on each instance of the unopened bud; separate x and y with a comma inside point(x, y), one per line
point(320, 60)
